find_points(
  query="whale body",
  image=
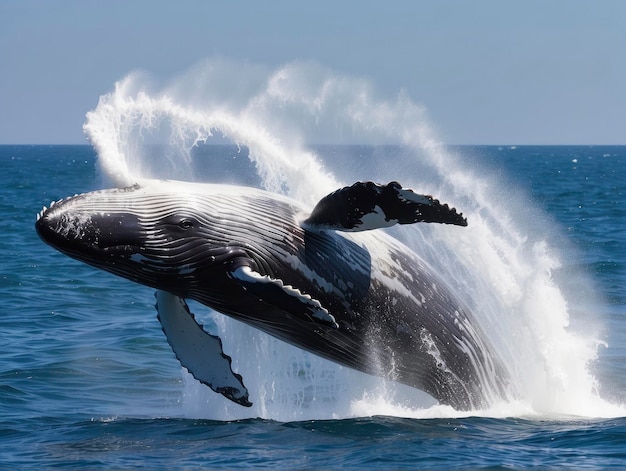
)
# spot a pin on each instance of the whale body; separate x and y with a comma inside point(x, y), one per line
point(327, 281)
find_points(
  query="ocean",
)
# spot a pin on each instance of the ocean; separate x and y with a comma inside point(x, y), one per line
point(87, 379)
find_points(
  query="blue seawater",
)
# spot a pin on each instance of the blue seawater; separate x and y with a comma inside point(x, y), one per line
point(87, 379)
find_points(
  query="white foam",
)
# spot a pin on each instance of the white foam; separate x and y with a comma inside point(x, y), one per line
point(502, 264)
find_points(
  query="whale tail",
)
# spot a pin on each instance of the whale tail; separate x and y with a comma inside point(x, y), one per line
point(367, 205)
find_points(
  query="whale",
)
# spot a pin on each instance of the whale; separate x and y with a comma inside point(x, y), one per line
point(331, 280)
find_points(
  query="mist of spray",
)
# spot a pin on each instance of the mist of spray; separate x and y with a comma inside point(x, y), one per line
point(501, 265)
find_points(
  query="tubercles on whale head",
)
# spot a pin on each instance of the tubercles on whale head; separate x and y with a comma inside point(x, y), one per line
point(148, 234)
point(100, 238)
point(85, 221)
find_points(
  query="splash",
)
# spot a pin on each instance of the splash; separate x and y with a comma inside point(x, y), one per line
point(502, 264)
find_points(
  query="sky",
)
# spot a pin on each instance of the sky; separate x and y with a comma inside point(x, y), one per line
point(487, 71)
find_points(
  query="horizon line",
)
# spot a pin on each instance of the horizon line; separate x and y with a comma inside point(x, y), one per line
point(510, 145)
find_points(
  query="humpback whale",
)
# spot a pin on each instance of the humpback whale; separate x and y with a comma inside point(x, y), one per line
point(327, 281)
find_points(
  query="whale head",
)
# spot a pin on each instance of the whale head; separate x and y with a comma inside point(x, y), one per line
point(160, 234)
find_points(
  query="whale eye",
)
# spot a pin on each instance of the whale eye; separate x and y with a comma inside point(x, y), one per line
point(185, 223)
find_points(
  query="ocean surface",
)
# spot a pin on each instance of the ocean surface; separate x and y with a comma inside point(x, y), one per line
point(87, 379)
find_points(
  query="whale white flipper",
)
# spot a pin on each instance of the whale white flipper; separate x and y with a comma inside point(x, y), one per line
point(368, 205)
point(198, 351)
point(275, 292)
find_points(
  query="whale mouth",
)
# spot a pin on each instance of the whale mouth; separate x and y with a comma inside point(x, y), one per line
point(82, 235)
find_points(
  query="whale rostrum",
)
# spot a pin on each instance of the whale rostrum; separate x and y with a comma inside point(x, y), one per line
point(326, 281)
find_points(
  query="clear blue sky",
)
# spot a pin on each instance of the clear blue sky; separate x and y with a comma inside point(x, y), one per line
point(501, 72)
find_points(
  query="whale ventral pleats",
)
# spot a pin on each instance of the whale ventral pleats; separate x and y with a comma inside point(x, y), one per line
point(368, 205)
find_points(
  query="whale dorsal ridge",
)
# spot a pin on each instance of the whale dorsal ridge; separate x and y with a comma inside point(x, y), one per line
point(368, 205)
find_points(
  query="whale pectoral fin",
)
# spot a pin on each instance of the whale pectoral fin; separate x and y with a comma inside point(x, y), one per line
point(198, 351)
point(288, 298)
point(367, 205)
